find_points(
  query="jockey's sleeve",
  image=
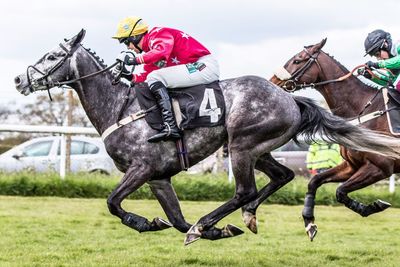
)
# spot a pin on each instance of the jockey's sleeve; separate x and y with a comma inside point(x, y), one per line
point(391, 63)
point(161, 46)
point(141, 77)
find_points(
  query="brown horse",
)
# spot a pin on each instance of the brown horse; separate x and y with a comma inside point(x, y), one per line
point(346, 98)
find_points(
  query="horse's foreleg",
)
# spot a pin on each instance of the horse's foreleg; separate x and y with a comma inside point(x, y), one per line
point(246, 191)
point(279, 175)
point(133, 179)
point(340, 173)
point(166, 196)
point(368, 174)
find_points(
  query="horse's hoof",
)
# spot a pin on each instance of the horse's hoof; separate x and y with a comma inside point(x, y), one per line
point(231, 230)
point(162, 224)
point(250, 221)
point(192, 235)
point(311, 231)
point(383, 204)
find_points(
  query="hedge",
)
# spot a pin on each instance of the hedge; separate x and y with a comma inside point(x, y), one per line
point(188, 187)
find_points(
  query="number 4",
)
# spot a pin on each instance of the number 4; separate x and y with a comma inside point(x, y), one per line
point(213, 111)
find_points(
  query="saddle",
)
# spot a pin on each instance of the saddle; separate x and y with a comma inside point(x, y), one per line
point(392, 105)
point(197, 106)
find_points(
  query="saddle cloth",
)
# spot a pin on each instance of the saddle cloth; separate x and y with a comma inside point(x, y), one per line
point(201, 105)
point(393, 105)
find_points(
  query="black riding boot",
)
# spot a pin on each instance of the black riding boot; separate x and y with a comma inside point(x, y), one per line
point(170, 131)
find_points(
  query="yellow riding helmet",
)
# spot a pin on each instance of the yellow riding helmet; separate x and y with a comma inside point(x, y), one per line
point(130, 26)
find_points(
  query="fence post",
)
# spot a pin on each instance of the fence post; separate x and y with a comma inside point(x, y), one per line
point(230, 171)
point(63, 156)
point(392, 181)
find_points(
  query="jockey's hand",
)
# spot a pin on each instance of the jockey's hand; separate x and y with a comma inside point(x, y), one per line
point(372, 64)
point(127, 59)
point(363, 71)
point(367, 75)
point(125, 73)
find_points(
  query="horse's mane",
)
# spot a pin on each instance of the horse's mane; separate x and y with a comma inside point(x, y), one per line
point(343, 68)
point(96, 57)
point(100, 61)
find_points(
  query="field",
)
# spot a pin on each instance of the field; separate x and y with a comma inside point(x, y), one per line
point(49, 231)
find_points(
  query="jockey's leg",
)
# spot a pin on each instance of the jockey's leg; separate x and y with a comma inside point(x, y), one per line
point(171, 130)
point(205, 70)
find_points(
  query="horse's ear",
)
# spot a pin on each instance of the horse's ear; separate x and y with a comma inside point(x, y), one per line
point(322, 43)
point(77, 39)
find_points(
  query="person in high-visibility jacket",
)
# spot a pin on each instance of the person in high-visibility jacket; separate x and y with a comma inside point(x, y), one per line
point(322, 156)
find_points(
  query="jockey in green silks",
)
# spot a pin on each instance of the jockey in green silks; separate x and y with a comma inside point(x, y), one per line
point(379, 44)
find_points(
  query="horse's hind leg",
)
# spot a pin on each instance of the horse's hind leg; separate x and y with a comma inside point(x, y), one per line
point(133, 179)
point(246, 191)
point(339, 173)
point(279, 175)
point(166, 196)
point(368, 174)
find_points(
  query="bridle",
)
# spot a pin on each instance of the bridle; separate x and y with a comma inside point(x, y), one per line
point(292, 84)
point(45, 79)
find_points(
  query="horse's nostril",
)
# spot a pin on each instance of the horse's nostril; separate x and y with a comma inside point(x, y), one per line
point(17, 80)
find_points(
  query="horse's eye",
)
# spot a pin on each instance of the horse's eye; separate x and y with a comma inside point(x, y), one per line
point(51, 57)
point(296, 61)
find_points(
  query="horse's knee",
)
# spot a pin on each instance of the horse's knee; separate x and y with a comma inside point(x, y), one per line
point(246, 196)
point(289, 176)
point(341, 196)
point(112, 206)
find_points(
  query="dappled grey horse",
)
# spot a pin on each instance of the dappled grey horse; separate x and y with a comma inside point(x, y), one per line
point(259, 118)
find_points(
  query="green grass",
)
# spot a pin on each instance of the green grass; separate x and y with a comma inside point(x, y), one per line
point(49, 231)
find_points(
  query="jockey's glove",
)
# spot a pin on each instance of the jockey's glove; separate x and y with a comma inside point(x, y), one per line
point(127, 59)
point(125, 73)
point(372, 64)
point(367, 75)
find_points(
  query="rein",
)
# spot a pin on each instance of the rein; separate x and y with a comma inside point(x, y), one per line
point(313, 85)
point(292, 82)
point(45, 80)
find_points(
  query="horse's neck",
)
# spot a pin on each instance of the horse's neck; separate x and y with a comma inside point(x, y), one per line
point(345, 98)
point(100, 99)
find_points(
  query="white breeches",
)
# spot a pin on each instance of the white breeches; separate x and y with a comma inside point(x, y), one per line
point(205, 70)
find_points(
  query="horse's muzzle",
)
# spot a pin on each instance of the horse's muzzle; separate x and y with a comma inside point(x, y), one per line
point(21, 86)
point(17, 81)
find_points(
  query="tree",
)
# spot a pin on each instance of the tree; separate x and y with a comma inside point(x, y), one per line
point(4, 113)
point(43, 111)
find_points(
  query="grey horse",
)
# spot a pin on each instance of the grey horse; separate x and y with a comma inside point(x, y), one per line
point(259, 118)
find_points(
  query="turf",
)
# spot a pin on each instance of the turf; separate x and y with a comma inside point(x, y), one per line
point(49, 231)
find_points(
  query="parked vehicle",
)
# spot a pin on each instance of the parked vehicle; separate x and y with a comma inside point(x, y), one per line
point(293, 156)
point(43, 154)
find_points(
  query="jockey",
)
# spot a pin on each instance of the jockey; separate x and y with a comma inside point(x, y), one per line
point(171, 59)
point(379, 44)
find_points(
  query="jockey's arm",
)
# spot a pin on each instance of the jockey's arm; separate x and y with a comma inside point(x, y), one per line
point(391, 63)
point(161, 47)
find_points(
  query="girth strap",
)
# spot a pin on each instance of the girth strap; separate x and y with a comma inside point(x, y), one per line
point(123, 122)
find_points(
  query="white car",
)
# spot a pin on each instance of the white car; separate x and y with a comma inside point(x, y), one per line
point(43, 154)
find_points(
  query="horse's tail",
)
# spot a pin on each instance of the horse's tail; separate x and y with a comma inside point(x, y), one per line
point(317, 123)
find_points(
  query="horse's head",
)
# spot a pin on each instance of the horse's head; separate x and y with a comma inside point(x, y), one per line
point(53, 67)
point(303, 68)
